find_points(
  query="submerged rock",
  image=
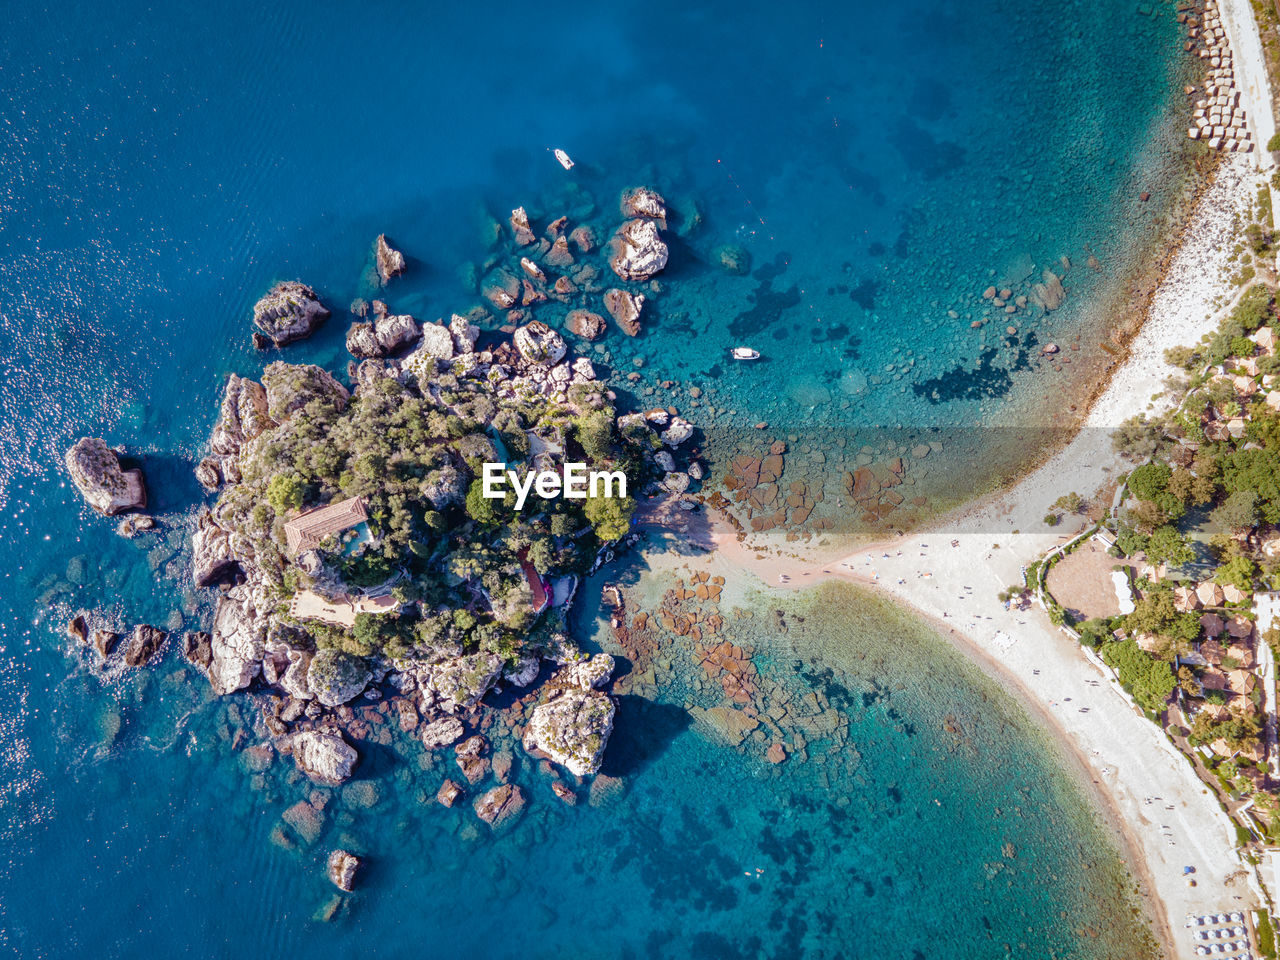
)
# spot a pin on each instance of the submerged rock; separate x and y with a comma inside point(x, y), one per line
point(638, 251)
point(324, 757)
point(625, 309)
point(584, 323)
point(391, 262)
point(733, 258)
point(342, 869)
point(290, 311)
point(95, 471)
point(573, 730)
point(501, 805)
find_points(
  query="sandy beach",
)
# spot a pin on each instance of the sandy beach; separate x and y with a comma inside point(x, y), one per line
point(952, 574)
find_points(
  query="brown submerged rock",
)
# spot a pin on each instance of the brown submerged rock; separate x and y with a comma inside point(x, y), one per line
point(501, 805)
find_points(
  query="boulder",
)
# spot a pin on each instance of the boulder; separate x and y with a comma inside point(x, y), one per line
point(442, 732)
point(237, 642)
point(437, 342)
point(678, 432)
point(324, 757)
point(396, 332)
point(104, 641)
point(584, 323)
point(209, 472)
point(391, 262)
point(560, 255)
point(143, 643)
point(637, 251)
point(643, 202)
point(465, 334)
point(520, 227)
point(342, 869)
point(334, 677)
point(78, 628)
point(522, 673)
point(538, 343)
point(590, 674)
point(460, 682)
point(362, 342)
point(583, 238)
point(501, 805)
point(733, 258)
point(197, 648)
point(95, 471)
point(307, 821)
point(625, 309)
point(572, 729)
point(449, 793)
point(290, 311)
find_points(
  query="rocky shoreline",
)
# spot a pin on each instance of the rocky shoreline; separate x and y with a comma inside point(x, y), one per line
point(319, 697)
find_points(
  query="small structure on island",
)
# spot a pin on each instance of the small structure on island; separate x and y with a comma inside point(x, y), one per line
point(538, 589)
point(308, 530)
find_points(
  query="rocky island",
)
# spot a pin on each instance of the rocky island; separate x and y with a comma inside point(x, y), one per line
point(361, 570)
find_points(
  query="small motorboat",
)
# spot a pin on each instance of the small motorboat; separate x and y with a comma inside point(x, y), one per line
point(745, 353)
point(564, 159)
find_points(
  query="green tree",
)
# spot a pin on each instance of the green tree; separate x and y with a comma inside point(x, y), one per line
point(1150, 682)
point(480, 508)
point(1259, 471)
point(610, 516)
point(1156, 614)
point(1239, 572)
point(285, 492)
point(1166, 545)
point(595, 433)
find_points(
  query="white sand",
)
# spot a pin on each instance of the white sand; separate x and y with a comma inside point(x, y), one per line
point(1139, 773)
point(1251, 74)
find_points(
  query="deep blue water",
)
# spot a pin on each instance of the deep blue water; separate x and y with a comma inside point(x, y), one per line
point(881, 164)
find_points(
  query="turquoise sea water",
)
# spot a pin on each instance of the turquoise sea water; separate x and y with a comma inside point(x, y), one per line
point(881, 166)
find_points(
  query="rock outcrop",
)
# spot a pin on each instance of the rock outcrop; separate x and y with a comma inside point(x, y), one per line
point(538, 343)
point(520, 227)
point(290, 387)
point(391, 262)
point(572, 729)
point(324, 757)
point(460, 682)
point(385, 335)
point(590, 674)
point(290, 311)
point(442, 732)
point(643, 202)
point(143, 642)
point(637, 251)
point(212, 557)
point(237, 642)
point(625, 309)
point(343, 865)
point(335, 677)
point(95, 471)
point(584, 323)
point(501, 805)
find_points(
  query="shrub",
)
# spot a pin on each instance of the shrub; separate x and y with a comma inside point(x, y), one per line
point(1149, 681)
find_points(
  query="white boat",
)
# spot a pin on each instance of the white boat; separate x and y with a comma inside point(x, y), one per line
point(745, 353)
point(564, 159)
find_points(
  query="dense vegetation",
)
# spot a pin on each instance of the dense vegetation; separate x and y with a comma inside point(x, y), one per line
point(414, 452)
